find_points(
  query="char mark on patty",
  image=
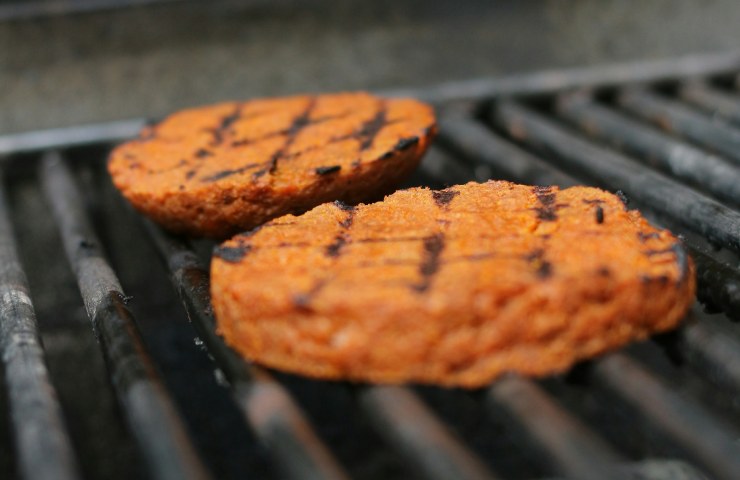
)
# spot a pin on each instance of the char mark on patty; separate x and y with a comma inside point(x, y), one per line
point(443, 197)
point(430, 261)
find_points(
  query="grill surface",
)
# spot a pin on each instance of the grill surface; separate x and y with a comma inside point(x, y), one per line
point(162, 397)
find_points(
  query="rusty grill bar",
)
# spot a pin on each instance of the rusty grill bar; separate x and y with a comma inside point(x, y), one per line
point(665, 133)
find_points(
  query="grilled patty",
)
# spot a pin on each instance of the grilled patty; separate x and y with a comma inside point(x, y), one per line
point(450, 287)
point(222, 169)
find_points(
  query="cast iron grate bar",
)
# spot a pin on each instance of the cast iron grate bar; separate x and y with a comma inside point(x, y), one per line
point(718, 285)
point(267, 407)
point(421, 437)
point(42, 445)
point(682, 160)
point(608, 168)
point(712, 100)
point(716, 352)
point(713, 442)
point(675, 117)
point(475, 143)
point(580, 453)
point(149, 411)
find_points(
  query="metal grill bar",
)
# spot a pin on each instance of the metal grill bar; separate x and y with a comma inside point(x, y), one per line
point(578, 451)
point(700, 94)
point(267, 407)
point(681, 159)
point(42, 443)
point(409, 425)
point(675, 117)
point(710, 440)
point(57, 138)
point(475, 143)
point(717, 283)
point(683, 205)
point(149, 411)
point(552, 81)
point(711, 347)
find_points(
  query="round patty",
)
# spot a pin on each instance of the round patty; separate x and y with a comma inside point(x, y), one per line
point(222, 169)
point(451, 287)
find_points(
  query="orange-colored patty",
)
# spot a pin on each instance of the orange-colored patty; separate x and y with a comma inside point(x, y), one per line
point(451, 287)
point(218, 170)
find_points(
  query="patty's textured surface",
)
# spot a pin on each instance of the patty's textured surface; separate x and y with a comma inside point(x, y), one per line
point(218, 170)
point(452, 287)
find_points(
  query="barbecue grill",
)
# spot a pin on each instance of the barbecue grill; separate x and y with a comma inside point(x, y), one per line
point(151, 391)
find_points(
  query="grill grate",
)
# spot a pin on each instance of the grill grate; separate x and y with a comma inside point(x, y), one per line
point(665, 133)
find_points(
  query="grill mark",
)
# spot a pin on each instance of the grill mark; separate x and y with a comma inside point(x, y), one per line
point(548, 211)
point(370, 129)
point(327, 170)
point(203, 153)
point(232, 254)
point(430, 263)
point(335, 248)
point(291, 133)
point(286, 131)
point(225, 125)
point(472, 258)
point(536, 258)
point(302, 301)
point(367, 132)
point(599, 214)
point(182, 163)
point(443, 197)
point(227, 173)
point(406, 143)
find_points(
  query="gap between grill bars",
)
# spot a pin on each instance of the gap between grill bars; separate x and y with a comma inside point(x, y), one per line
point(651, 140)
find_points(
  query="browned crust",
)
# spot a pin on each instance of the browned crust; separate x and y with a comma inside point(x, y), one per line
point(452, 287)
point(218, 170)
